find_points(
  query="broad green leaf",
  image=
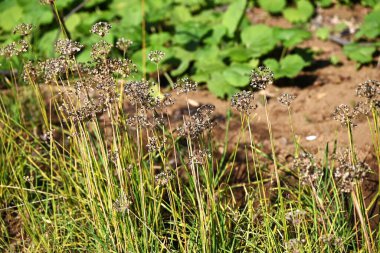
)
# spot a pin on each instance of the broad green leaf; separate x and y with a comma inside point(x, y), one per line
point(371, 26)
point(303, 11)
point(72, 22)
point(218, 32)
point(259, 39)
point(46, 42)
point(237, 75)
point(10, 17)
point(189, 31)
point(291, 37)
point(209, 66)
point(185, 57)
point(159, 39)
point(232, 16)
point(35, 14)
point(219, 86)
point(130, 11)
point(359, 53)
point(237, 54)
point(181, 14)
point(290, 66)
point(272, 6)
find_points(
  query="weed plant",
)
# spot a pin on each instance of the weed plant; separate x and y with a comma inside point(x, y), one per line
point(87, 173)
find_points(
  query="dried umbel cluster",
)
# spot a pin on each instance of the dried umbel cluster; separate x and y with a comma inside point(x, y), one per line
point(123, 44)
point(199, 157)
point(286, 99)
point(198, 123)
point(295, 217)
point(243, 102)
point(23, 29)
point(100, 50)
point(101, 28)
point(309, 172)
point(345, 115)
point(295, 245)
point(67, 47)
point(348, 174)
point(163, 178)
point(122, 203)
point(155, 144)
point(185, 85)
point(97, 89)
point(370, 90)
point(14, 49)
point(261, 77)
point(156, 56)
point(141, 94)
point(332, 240)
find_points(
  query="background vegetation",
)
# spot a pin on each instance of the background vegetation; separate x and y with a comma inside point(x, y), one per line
point(92, 160)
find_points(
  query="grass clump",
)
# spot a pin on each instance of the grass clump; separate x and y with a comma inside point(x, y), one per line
point(103, 167)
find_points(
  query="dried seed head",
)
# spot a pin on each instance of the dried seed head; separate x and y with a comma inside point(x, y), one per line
point(30, 72)
point(67, 47)
point(199, 157)
point(362, 108)
point(261, 77)
point(163, 178)
point(123, 44)
point(154, 144)
point(345, 115)
point(52, 68)
point(295, 217)
point(14, 49)
point(286, 99)
point(23, 29)
point(310, 173)
point(156, 56)
point(100, 50)
point(243, 102)
point(185, 85)
point(348, 174)
point(122, 203)
point(294, 246)
point(370, 89)
point(122, 67)
point(198, 123)
point(101, 28)
point(139, 92)
point(332, 240)
point(140, 119)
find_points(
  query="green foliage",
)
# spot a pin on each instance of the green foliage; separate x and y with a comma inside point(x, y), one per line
point(323, 33)
point(291, 37)
point(259, 39)
point(371, 26)
point(301, 13)
point(233, 16)
point(275, 6)
point(359, 52)
point(289, 66)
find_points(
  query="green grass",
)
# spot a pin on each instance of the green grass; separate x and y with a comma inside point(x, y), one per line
point(90, 185)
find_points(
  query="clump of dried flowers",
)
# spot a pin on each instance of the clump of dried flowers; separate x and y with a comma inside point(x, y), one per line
point(347, 173)
point(243, 102)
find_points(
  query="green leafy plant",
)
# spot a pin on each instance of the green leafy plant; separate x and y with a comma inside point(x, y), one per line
point(301, 13)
